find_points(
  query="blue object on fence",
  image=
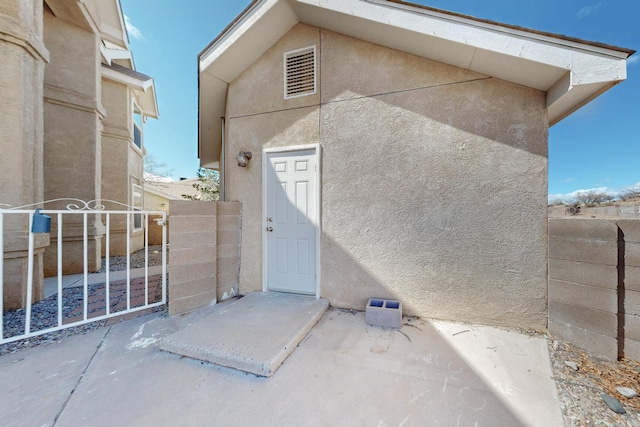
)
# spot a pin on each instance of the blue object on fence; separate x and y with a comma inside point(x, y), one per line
point(41, 223)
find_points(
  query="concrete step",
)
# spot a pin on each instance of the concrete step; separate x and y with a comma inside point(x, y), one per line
point(254, 334)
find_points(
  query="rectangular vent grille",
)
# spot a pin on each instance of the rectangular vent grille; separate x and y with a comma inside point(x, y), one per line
point(300, 72)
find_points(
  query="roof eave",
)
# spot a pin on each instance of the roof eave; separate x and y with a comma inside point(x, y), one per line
point(535, 59)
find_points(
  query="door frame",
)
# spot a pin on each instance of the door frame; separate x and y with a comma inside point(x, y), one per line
point(265, 249)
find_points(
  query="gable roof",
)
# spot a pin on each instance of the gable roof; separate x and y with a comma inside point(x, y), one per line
point(141, 84)
point(571, 71)
point(173, 190)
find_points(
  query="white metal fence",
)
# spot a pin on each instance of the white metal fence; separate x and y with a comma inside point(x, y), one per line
point(117, 288)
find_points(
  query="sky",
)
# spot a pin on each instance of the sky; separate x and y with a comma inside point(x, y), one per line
point(597, 147)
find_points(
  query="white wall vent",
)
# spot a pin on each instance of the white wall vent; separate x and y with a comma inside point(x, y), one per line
point(300, 72)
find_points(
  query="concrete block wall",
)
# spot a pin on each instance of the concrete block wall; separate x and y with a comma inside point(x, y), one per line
point(228, 257)
point(583, 283)
point(192, 255)
point(630, 231)
point(204, 257)
point(594, 284)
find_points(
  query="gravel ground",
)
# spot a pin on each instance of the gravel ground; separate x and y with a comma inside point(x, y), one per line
point(44, 313)
point(118, 263)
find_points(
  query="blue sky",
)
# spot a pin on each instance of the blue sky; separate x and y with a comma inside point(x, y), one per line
point(596, 147)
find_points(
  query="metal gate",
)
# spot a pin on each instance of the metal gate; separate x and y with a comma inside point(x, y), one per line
point(37, 242)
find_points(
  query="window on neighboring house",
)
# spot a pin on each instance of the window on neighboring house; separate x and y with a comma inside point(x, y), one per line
point(136, 203)
point(300, 72)
point(137, 127)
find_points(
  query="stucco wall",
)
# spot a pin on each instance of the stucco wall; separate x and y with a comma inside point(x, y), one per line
point(122, 164)
point(22, 60)
point(433, 179)
point(72, 153)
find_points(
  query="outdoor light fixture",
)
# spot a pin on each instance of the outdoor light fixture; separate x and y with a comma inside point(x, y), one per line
point(243, 158)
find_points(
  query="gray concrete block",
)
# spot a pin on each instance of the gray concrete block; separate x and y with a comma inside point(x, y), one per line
point(631, 229)
point(584, 295)
point(192, 287)
point(228, 236)
point(588, 340)
point(192, 240)
point(587, 228)
point(194, 302)
point(228, 273)
point(228, 222)
point(632, 278)
point(632, 302)
point(192, 224)
point(590, 251)
point(187, 273)
point(604, 276)
point(631, 254)
point(229, 208)
point(228, 250)
point(384, 312)
point(585, 318)
point(192, 255)
point(632, 349)
point(632, 327)
point(191, 208)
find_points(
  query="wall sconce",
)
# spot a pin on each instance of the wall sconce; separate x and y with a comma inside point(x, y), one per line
point(243, 158)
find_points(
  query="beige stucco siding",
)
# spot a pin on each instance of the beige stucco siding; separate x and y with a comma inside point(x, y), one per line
point(433, 179)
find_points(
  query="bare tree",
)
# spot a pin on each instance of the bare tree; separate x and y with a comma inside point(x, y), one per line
point(630, 194)
point(592, 197)
point(154, 167)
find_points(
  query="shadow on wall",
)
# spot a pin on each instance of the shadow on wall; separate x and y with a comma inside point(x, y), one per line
point(435, 195)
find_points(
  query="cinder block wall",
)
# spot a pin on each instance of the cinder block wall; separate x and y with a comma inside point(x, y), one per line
point(192, 257)
point(583, 283)
point(630, 230)
point(228, 259)
point(204, 261)
point(594, 284)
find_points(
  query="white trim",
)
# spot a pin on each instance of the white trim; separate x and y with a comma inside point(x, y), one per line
point(135, 186)
point(318, 153)
point(523, 33)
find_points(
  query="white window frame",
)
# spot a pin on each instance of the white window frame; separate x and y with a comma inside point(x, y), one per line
point(137, 188)
point(135, 125)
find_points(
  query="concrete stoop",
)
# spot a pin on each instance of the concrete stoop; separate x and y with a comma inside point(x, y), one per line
point(253, 334)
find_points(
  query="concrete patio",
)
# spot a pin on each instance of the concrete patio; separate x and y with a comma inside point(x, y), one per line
point(344, 373)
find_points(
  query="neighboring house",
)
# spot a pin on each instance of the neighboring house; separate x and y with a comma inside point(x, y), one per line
point(398, 151)
point(158, 193)
point(71, 125)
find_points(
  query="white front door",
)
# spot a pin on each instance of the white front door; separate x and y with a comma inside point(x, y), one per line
point(291, 221)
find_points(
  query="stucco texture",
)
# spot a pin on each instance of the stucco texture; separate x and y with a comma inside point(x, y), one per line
point(434, 179)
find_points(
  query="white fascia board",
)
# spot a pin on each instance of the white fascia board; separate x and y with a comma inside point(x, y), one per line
point(256, 31)
point(587, 71)
point(147, 101)
point(462, 35)
point(112, 54)
point(227, 39)
point(127, 80)
point(554, 52)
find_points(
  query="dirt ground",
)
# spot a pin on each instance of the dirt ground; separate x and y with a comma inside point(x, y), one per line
point(580, 390)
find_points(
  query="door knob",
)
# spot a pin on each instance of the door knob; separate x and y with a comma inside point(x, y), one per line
point(269, 229)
